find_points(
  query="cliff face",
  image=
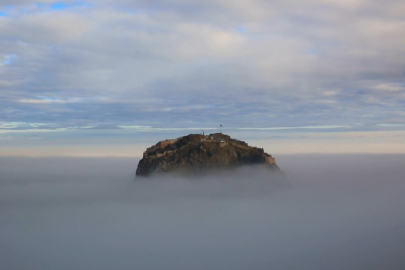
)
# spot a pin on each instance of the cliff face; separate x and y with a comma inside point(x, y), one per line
point(197, 154)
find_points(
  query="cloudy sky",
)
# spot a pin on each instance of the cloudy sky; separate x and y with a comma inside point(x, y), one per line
point(82, 77)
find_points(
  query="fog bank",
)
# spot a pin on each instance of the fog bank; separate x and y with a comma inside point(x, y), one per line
point(343, 212)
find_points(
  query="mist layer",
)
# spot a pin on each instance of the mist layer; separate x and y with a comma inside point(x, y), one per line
point(342, 212)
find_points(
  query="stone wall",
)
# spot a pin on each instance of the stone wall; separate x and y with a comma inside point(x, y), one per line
point(270, 160)
point(165, 143)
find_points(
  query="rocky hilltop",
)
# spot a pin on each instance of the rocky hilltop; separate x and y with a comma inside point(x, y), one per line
point(198, 154)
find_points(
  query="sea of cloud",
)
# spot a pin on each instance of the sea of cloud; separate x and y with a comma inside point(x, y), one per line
point(342, 212)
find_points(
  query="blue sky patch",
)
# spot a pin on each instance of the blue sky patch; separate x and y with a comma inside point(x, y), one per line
point(241, 29)
point(6, 11)
point(64, 5)
point(9, 59)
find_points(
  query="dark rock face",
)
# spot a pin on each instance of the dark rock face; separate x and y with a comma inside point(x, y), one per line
point(197, 154)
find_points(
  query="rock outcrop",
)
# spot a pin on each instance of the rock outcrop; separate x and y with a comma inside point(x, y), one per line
point(199, 154)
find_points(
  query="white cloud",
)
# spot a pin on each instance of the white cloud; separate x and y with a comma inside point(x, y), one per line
point(175, 63)
point(49, 101)
point(389, 87)
point(45, 28)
